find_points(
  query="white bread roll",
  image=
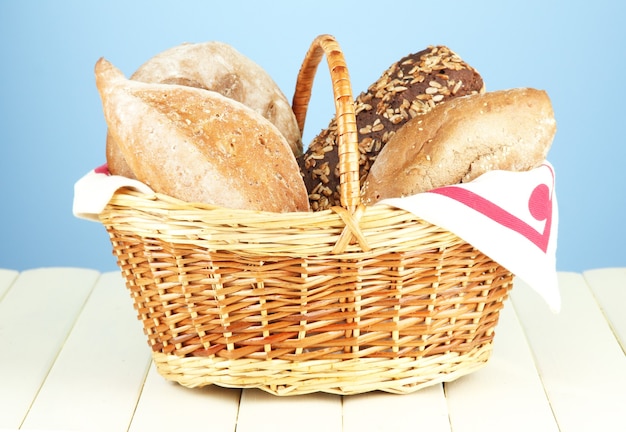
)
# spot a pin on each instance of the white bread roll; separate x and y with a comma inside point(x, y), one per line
point(219, 67)
point(461, 139)
point(199, 146)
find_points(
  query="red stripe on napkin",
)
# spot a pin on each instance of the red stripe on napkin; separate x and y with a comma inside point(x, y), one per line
point(539, 205)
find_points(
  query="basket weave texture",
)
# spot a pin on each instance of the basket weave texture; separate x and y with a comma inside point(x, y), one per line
point(347, 300)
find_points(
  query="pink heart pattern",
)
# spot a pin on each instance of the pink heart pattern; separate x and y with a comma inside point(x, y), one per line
point(539, 207)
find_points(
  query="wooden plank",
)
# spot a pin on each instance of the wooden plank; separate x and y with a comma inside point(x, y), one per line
point(36, 315)
point(167, 406)
point(424, 410)
point(7, 277)
point(581, 364)
point(261, 411)
point(609, 287)
point(97, 378)
point(507, 394)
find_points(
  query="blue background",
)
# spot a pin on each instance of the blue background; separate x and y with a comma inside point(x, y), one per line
point(52, 130)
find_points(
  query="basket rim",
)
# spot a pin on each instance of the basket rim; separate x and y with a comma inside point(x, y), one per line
point(175, 203)
point(370, 230)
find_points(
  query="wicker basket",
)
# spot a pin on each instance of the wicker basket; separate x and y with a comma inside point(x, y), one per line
point(344, 301)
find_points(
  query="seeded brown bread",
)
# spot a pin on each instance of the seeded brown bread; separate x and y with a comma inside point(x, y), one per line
point(199, 146)
point(460, 140)
point(410, 87)
point(219, 67)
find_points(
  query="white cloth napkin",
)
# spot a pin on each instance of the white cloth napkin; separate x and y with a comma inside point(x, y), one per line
point(512, 217)
point(94, 190)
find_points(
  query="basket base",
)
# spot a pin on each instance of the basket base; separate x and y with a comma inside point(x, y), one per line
point(343, 377)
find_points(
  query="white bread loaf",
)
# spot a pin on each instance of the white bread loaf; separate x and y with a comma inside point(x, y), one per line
point(199, 146)
point(461, 139)
point(219, 67)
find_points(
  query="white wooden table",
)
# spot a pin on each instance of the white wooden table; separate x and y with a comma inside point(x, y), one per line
point(74, 357)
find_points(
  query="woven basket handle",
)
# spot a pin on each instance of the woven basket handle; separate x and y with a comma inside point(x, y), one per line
point(348, 146)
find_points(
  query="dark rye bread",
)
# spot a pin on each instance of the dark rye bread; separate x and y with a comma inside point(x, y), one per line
point(408, 88)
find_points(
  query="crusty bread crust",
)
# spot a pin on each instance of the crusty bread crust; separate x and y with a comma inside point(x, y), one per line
point(219, 67)
point(460, 140)
point(410, 87)
point(199, 146)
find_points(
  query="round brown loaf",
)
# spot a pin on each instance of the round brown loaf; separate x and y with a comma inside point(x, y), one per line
point(219, 67)
point(458, 141)
point(199, 146)
point(408, 88)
